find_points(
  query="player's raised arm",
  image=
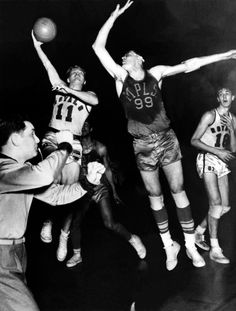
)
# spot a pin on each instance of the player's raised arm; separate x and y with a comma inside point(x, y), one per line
point(99, 46)
point(52, 73)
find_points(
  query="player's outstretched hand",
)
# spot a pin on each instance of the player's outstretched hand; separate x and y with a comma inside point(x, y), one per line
point(232, 54)
point(95, 171)
point(120, 10)
point(35, 41)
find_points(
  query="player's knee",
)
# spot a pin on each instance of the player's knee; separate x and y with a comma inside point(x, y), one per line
point(215, 211)
point(156, 202)
point(181, 199)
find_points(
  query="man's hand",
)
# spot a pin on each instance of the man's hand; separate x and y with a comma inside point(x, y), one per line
point(63, 88)
point(95, 171)
point(225, 155)
point(232, 54)
point(35, 41)
point(227, 121)
point(64, 136)
point(118, 11)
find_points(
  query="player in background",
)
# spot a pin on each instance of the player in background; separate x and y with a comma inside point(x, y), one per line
point(215, 138)
point(104, 197)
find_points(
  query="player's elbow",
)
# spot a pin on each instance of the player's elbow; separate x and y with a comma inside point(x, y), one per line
point(94, 46)
point(193, 142)
point(97, 48)
point(95, 101)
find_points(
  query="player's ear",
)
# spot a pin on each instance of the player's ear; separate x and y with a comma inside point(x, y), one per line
point(233, 97)
point(84, 82)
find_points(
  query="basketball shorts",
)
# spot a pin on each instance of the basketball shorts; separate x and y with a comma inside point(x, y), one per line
point(50, 144)
point(210, 163)
point(156, 150)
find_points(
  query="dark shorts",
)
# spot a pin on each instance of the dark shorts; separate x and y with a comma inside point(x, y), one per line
point(156, 150)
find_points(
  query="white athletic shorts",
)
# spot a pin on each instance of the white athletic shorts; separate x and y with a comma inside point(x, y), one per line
point(210, 163)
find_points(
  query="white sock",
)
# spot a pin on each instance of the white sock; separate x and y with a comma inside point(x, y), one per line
point(200, 229)
point(214, 243)
point(166, 239)
point(189, 240)
point(65, 234)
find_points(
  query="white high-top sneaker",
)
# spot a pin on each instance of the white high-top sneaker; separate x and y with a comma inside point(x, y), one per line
point(62, 247)
point(46, 232)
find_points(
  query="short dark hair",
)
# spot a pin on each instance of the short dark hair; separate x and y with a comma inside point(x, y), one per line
point(74, 67)
point(223, 88)
point(10, 124)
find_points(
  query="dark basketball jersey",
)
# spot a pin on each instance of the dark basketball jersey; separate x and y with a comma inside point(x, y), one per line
point(143, 105)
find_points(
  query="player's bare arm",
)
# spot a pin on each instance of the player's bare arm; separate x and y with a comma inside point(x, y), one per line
point(102, 151)
point(52, 73)
point(88, 97)
point(206, 120)
point(191, 64)
point(99, 46)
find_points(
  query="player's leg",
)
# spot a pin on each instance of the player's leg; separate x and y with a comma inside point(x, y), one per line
point(199, 234)
point(63, 238)
point(152, 185)
point(215, 211)
point(49, 144)
point(79, 212)
point(203, 165)
point(174, 175)
point(105, 205)
point(224, 193)
point(148, 153)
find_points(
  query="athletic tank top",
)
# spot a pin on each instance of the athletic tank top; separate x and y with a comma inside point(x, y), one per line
point(217, 135)
point(69, 113)
point(143, 106)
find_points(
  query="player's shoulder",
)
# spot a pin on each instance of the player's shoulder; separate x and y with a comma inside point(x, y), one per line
point(209, 116)
point(100, 147)
point(157, 71)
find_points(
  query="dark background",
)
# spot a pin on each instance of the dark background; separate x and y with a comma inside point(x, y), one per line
point(164, 32)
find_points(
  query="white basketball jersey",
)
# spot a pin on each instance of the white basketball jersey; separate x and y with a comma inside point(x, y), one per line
point(217, 135)
point(69, 113)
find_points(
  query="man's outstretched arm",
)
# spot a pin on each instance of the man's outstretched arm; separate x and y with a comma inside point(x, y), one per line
point(192, 64)
point(99, 46)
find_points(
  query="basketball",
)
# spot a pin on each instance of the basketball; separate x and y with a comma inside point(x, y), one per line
point(45, 29)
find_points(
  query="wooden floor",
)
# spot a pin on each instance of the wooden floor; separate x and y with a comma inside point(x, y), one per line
point(112, 277)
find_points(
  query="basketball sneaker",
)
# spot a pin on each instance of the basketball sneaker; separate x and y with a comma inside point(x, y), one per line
point(216, 254)
point(62, 247)
point(138, 246)
point(200, 241)
point(46, 232)
point(74, 260)
point(171, 255)
point(196, 258)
